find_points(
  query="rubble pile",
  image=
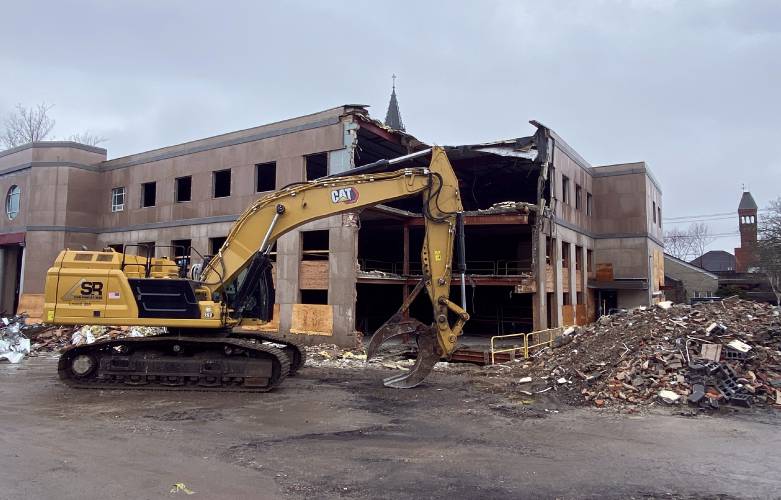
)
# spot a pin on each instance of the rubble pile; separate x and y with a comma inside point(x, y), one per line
point(19, 339)
point(332, 356)
point(726, 352)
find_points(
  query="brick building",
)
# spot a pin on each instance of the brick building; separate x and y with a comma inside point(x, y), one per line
point(551, 240)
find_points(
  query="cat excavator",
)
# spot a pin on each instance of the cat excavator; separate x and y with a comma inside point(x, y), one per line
point(203, 346)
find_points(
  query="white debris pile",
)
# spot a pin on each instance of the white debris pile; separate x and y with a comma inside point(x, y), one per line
point(13, 344)
point(88, 334)
point(332, 356)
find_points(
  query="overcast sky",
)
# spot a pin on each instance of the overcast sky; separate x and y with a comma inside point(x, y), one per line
point(690, 87)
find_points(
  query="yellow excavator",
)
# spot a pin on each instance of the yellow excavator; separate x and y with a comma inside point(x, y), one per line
point(202, 349)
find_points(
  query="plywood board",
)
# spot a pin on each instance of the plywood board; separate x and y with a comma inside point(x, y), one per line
point(32, 304)
point(568, 315)
point(312, 319)
point(604, 272)
point(313, 275)
point(581, 316)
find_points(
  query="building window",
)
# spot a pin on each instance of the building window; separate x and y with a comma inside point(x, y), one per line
point(589, 204)
point(12, 202)
point(215, 244)
point(659, 215)
point(567, 299)
point(314, 296)
point(653, 210)
point(316, 166)
point(181, 251)
point(548, 250)
point(265, 176)
point(183, 189)
point(578, 197)
point(148, 194)
point(314, 245)
point(222, 183)
point(117, 247)
point(145, 249)
point(565, 189)
point(589, 260)
point(118, 199)
point(564, 254)
point(580, 298)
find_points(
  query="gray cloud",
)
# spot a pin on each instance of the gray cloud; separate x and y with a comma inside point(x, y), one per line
point(690, 87)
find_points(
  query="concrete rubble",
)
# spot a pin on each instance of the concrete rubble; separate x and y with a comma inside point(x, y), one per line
point(706, 355)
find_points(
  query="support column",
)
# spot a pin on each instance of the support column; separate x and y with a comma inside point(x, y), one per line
point(539, 301)
point(573, 288)
point(558, 284)
point(584, 277)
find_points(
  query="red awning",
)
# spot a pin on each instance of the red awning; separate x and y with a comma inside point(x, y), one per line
point(11, 238)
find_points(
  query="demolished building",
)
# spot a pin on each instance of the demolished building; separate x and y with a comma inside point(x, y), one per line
point(551, 240)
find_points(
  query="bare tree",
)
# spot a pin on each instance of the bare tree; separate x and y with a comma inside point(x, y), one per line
point(26, 125)
point(677, 243)
point(87, 138)
point(769, 247)
point(700, 235)
point(690, 243)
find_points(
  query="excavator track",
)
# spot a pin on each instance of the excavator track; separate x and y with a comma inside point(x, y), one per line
point(175, 363)
point(295, 351)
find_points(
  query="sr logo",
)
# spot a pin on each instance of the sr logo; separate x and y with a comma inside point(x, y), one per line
point(348, 195)
point(92, 288)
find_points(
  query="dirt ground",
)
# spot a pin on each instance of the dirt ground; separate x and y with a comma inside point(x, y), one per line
point(330, 433)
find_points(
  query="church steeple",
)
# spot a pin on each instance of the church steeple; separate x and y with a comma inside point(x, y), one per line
point(746, 254)
point(393, 116)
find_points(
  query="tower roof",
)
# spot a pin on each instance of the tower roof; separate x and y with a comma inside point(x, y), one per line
point(747, 202)
point(393, 116)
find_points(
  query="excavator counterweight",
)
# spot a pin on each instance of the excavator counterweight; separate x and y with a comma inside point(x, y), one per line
point(201, 306)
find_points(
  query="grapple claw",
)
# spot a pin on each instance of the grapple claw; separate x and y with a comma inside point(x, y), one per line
point(428, 355)
point(394, 327)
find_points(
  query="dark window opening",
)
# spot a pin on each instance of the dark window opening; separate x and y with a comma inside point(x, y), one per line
point(265, 177)
point(564, 254)
point(580, 298)
point(653, 210)
point(314, 296)
point(565, 189)
point(145, 249)
point(215, 244)
point(314, 245)
point(578, 197)
point(222, 183)
point(117, 247)
point(548, 250)
point(552, 181)
point(567, 299)
point(659, 215)
point(181, 248)
point(148, 194)
point(589, 260)
point(183, 189)
point(589, 204)
point(316, 166)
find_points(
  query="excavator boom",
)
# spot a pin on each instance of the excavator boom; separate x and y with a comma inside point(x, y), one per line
point(234, 287)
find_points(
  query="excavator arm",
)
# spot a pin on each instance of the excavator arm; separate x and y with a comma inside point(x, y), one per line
point(244, 253)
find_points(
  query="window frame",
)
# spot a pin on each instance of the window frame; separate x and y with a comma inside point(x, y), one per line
point(565, 189)
point(118, 207)
point(578, 197)
point(13, 197)
point(176, 189)
point(261, 166)
point(214, 183)
point(143, 194)
point(589, 203)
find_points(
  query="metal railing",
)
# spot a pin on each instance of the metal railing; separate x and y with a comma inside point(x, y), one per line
point(539, 338)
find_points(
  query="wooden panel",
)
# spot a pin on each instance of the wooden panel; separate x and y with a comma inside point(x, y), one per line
point(548, 278)
point(604, 272)
point(32, 304)
point(579, 281)
point(591, 309)
point(568, 315)
point(312, 319)
point(581, 316)
point(565, 279)
point(313, 275)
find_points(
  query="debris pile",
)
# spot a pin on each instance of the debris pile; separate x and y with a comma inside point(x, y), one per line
point(13, 343)
point(332, 356)
point(714, 353)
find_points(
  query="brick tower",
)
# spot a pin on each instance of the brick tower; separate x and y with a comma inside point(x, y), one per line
point(746, 254)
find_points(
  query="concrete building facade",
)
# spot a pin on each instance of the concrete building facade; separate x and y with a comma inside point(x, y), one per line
point(551, 240)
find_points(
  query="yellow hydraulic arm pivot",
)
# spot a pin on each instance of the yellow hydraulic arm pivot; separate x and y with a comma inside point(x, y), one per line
point(277, 213)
